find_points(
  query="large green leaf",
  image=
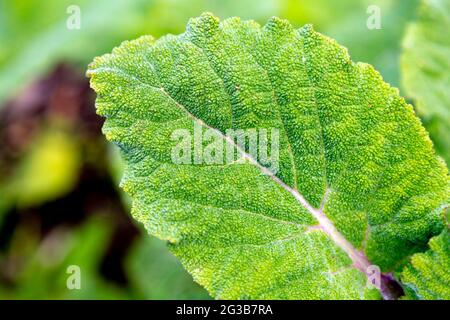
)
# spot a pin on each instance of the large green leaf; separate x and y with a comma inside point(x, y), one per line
point(427, 276)
point(358, 180)
point(426, 70)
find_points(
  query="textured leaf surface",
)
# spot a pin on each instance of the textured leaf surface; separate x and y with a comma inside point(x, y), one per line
point(358, 181)
point(428, 275)
point(426, 70)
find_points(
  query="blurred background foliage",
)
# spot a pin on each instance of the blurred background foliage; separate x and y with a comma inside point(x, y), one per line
point(59, 201)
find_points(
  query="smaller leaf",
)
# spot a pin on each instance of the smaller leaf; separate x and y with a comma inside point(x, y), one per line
point(427, 276)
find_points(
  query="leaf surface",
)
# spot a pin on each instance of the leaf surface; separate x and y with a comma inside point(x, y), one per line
point(358, 181)
point(427, 276)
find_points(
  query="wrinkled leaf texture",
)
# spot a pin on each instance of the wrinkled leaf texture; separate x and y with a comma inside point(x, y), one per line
point(358, 183)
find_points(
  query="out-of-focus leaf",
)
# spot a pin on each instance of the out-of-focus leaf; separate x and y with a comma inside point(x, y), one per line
point(35, 34)
point(48, 170)
point(45, 275)
point(426, 70)
point(155, 273)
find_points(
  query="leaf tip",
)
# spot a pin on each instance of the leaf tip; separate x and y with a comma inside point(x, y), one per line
point(278, 24)
point(207, 23)
point(306, 30)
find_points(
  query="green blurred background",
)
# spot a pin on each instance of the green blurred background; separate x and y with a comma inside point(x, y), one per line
point(59, 200)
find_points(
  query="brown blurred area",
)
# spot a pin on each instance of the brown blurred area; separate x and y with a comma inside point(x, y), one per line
point(62, 99)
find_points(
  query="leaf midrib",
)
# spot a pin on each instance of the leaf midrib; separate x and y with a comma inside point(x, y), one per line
point(360, 261)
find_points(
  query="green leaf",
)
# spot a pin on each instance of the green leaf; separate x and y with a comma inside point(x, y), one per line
point(426, 67)
point(358, 182)
point(427, 276)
